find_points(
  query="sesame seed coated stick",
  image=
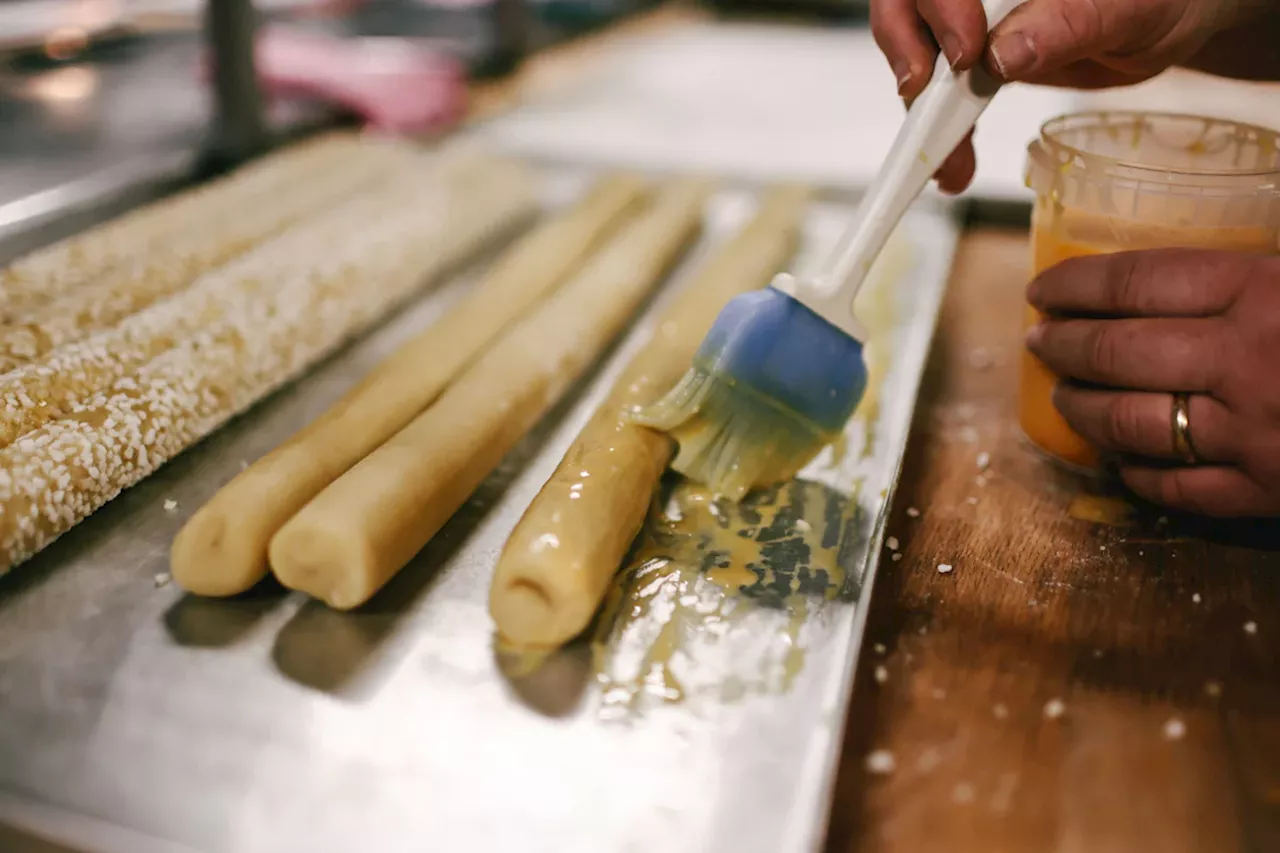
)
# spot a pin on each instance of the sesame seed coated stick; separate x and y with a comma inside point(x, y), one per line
point(267, 316)
point(45, 389)
point(129, 286)
point(42, 276)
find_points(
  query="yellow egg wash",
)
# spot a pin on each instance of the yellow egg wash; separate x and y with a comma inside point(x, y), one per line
point(705, 568)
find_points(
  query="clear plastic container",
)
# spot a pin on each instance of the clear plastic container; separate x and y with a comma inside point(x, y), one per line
point(1114, 181)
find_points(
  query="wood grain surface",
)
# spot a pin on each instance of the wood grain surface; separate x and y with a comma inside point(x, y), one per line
point(1155, 636)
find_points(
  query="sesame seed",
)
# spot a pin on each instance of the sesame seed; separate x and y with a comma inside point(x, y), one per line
point(1054, 708)
point(1174, 729)
point(881, 675)
point(1195, 597)
point(891, 543)
point(879, 648)
point(1251, 627)
point(944, 568)
point(897, 556)
point(912, 512)
point(881, 762)
point(1213, 688)
point(984, 460)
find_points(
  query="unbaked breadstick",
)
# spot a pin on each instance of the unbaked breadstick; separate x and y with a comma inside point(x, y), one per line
point(222, 550)
point(185, 365)
point(356, 534)
point(46, 274)
point(556, 566)
point(162, 270)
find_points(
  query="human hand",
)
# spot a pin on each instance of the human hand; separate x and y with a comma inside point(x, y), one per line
point(1086, 44)
point(1126, 330)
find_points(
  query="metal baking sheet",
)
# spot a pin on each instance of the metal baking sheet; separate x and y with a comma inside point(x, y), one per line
point(137, 719)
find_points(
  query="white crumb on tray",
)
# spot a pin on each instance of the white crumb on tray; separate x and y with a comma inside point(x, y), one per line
point(162, 579)
point(944, 568)
point(881, 762)
point(1174, 729)
point(897, 556)
point(1054, 709)
point(170, 505)
point(803, 525)
point(891, 543)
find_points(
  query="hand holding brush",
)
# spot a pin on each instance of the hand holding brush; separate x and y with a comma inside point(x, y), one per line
point(781, 371)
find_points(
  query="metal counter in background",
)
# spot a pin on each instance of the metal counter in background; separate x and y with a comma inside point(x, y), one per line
point(137, 719)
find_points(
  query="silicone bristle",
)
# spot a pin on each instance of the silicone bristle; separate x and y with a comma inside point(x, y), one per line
point(771, 385)
point(731, 438)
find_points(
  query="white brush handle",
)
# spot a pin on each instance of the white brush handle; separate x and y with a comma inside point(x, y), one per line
point(937, 122)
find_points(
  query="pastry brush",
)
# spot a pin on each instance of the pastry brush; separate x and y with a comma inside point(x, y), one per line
point(781, 371)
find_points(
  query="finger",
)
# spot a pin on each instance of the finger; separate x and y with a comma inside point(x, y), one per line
point(959, 27)
point(1163, 354)
point(903, 38)
point(1042, 36)
point(1141, 424)
point(958, 169)
point(1207, 490)
point(1086, 74)
point(1152, 283)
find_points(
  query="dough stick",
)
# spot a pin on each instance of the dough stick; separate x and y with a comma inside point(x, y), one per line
point(555, 569)
point(350, 540)
point(222, 550)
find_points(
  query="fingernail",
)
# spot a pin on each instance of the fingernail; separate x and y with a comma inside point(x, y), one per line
point(901, 73)
point(1035, 335)
point(1013, 54)
point(951, 48)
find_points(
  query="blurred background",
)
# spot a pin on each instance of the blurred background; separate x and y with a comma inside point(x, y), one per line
point(100, 94)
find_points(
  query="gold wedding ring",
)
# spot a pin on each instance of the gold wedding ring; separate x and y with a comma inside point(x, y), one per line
point(1181, 421)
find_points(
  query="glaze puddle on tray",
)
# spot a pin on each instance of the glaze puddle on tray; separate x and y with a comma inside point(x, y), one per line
point(719, 600)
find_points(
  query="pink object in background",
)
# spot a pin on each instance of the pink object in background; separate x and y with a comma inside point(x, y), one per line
point(396, 86)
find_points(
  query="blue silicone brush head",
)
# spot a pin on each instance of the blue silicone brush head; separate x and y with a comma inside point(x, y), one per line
point(772, 384)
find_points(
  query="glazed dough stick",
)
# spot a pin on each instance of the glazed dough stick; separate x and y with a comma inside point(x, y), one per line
point(556, 567)
point(222, 550)
point(350, 540)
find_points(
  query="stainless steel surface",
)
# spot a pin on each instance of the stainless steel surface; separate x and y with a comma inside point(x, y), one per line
point(135, 113)
point(270, 724)
point(239, 128)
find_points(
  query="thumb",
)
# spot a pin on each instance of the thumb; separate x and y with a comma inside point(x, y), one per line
point(1043, 36)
